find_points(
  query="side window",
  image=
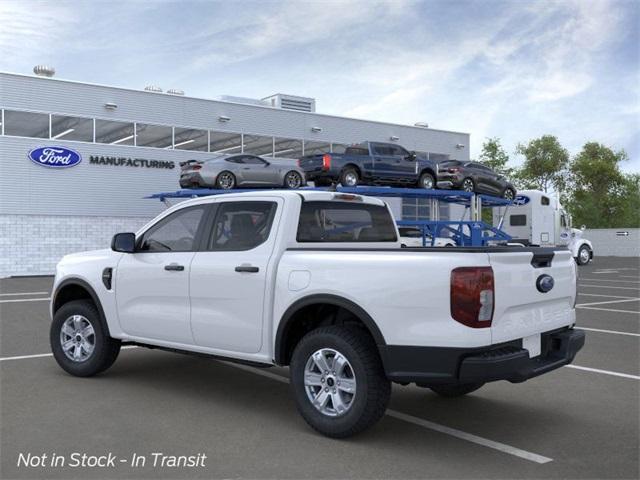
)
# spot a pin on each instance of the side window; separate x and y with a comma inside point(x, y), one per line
point(379, 149)
point(518, 220)
point(175, 233)
point(399, 151)
point(345, 222)
point(237, 159)
point(241, 226)
point(544, 201)
point(251, 160)
point(563, 221)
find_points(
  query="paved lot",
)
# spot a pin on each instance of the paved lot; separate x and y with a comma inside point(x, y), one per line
point(574, 422)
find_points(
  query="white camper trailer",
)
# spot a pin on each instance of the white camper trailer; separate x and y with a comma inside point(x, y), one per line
point(536, 218)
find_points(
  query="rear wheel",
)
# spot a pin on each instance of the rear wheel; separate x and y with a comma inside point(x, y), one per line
point(80, 342)
point(226, 180)
point(456, 390)
point(427, 181)
point(349, 177)
point(293, 180)
point(338, 381)
point(584, 255)
point(468, 185)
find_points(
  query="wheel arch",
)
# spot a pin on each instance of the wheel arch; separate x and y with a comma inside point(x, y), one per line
point(430, 171)
point(354, 166)
point(286, 333)
point(77, 289)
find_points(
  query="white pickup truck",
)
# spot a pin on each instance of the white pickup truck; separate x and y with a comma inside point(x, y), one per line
point(318, 281)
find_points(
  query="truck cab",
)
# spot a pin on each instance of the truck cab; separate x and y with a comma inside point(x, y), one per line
point(538, 219)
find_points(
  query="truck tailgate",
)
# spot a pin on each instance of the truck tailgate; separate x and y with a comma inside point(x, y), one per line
point(521, 309)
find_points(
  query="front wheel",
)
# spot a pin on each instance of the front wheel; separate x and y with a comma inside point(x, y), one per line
point(427, 181)
point(584, 255)
point(80, 342)
point(509, 194)
point(338, 381)
point(293, 180)
point(456, 390)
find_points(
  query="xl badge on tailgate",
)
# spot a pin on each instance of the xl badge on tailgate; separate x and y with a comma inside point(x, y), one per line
point(544, 283)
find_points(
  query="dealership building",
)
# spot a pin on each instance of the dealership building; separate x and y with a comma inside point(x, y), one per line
point(128, 145)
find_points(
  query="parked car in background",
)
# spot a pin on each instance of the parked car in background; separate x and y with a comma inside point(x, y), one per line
point(474, 177)
point(412, 237)
point(371, 163)
point(241, 170)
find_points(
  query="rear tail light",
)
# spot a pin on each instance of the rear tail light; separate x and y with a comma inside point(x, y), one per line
point(326, 161)
point(472, 296)
point(453, 170)
point(196, 167)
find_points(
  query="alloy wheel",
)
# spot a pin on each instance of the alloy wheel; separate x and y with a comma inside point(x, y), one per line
point(350, 179)
point(77, 338)
point(467, 185)
point(330, 382)
point(226, 181)
point(293, 180)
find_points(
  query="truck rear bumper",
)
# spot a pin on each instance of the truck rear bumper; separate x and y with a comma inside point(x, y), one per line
point(508, 361)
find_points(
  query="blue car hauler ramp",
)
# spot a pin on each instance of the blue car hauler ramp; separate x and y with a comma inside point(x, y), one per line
point(473, 232)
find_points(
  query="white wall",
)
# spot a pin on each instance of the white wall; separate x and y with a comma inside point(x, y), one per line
point(608, 242)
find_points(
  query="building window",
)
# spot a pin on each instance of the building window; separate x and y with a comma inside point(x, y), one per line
point(157, 136)
point(438, 157)
point(416, 209)
point(314, 148)
point(287, 148)
point(190, 139)
point(71, 128)
point(225, 142)
point(114, 133)
point(258, 145)
point(26, 124)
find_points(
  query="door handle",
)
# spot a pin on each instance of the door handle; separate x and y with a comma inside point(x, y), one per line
point(174, 267)
point(247, 268)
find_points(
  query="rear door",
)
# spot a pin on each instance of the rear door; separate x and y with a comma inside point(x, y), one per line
point(521, 309)
point(383, 160)
point(228, 279)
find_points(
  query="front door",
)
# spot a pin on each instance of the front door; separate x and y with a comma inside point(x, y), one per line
point(152, 284)
point(229, 277)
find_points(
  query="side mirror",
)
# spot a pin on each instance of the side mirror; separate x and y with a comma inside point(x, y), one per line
point(124, 242)
point(412, 156)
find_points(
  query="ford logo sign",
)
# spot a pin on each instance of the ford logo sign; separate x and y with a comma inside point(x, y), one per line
point(55, 157)
point(521, 200)
point(544, 283)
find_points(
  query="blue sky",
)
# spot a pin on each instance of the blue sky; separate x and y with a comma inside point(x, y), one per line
point(515, 69)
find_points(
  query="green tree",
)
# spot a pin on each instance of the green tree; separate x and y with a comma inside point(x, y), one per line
point(600, 195)
point(545, 164)
point(494, 156)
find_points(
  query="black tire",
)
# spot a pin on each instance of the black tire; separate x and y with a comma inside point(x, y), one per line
point(373, 389)
point(222, 183)
point(584, 255)
point(468, 185)
point(458, 390)
point(349, 177)
point(426, 179)
point(287, 183)
point(508, 194)
point(105, 350)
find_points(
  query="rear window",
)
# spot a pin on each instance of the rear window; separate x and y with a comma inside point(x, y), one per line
point(518, 220)
point(356, 151)
point(345, 222)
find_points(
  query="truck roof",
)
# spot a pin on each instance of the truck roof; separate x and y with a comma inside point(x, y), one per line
point(306, 195)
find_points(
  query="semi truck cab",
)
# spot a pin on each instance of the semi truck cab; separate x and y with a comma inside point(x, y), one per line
point(538, 219)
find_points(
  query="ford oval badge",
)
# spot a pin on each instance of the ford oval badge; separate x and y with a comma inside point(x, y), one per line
point(544, 283)
point(521, 200)
point(55, 157)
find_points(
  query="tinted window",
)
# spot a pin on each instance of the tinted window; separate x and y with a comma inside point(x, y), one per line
point(383, 150)
point(345, 222)
point(518, 220)
point(235, 160)
point(544, 200)
point(113, 132)
point(253, 160)
point(175, 233)
point(71, 128)
point(356, 151)
point(26, 124)
point(398, 151)
point(241, 225)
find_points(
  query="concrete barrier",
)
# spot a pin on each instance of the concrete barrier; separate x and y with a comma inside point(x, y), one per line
point(614, 242)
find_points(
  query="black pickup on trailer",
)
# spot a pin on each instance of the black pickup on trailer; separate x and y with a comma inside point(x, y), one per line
point(371, 163)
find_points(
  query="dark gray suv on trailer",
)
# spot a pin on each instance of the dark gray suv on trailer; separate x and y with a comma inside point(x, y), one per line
point(474, 177)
